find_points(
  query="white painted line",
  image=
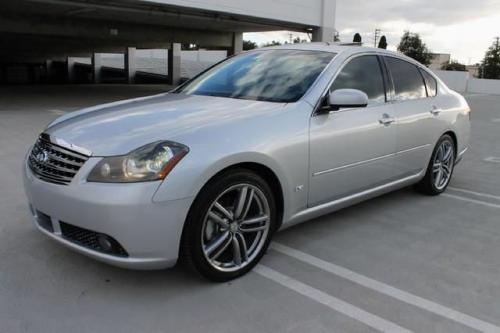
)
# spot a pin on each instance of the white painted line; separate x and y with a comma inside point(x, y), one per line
point(479, 194)
point(388, 290)
point(478, 202)
point(492, 159)
point(333, 303)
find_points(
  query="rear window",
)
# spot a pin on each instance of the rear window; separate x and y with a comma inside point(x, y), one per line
point(430, 83)
point(408, 82)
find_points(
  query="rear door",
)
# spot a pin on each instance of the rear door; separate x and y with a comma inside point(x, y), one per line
point(415, 113)
point(352, 150)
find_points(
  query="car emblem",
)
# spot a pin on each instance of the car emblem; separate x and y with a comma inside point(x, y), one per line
point(42, 156)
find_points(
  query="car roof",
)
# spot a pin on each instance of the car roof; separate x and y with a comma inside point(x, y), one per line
point(339, 48)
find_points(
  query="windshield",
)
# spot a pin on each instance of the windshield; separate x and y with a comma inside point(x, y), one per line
point(269, 75)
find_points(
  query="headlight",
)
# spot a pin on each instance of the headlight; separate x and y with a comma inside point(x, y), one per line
point(151, 162)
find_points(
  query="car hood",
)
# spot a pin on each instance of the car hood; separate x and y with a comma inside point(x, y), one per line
point(120, 127)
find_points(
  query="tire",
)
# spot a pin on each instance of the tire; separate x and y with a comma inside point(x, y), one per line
point(442, 164)
point(223, 244)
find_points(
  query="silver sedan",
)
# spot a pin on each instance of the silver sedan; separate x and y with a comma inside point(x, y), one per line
point(207, 173)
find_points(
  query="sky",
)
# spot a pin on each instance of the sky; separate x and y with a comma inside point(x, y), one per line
point(463, 28)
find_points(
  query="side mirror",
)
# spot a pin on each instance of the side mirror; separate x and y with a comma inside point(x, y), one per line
point(347, 98)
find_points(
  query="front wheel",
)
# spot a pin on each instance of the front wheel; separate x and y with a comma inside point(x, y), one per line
point(229, 226)
point(440, 169)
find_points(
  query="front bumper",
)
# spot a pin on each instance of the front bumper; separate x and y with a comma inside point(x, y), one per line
point(149, 231)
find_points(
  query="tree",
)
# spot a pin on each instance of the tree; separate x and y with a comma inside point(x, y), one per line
point(490, 67)
point(297, 40)
point(272, 43)
point(454, 66)
point(412, 46)
point(383, 43)
point(249, 45)
point(357, 38)
point(336, 37)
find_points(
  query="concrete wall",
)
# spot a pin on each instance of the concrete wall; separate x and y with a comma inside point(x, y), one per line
point(454, 80)
point(463, 82)
point(155, 61)
point(309, 12)
point(483, 86)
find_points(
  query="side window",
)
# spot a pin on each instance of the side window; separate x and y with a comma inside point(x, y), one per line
point(362, 73)
point(430, 83)
point(408, 82)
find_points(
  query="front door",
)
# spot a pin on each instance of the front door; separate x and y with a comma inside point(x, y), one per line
point(352, 150)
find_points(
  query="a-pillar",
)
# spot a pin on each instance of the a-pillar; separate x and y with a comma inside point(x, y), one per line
point(174, 64)
point(96, 67)
point(130, 65)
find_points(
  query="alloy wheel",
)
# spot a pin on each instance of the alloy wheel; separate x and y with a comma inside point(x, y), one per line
point(442, 167)
point(235, 228)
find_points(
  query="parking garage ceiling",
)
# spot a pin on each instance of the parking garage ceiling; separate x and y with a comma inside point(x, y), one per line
point(41, 28)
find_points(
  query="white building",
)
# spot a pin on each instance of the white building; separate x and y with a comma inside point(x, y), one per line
point(439, 59)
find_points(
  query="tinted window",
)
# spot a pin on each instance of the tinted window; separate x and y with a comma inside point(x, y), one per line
point(362, 73)
point(408, 82)
point(274, 76)
point(430, 83)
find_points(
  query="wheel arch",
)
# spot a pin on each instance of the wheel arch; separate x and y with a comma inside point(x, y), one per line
point(264, 171)
point(453, 135)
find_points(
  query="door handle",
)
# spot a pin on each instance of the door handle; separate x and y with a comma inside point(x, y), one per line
point(436, 111)
point(387, 120)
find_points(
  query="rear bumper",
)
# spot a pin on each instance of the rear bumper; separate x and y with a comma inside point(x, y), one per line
point(149, 231)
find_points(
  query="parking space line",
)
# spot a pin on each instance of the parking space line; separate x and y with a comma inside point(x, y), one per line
point(333, 303)
point(492, 159)
point(479, 194)
point(388, 290)
point(478, 202)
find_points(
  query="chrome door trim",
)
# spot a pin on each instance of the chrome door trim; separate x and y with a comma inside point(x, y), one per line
point(319, 173)
point(335, 205)
point(413, 149)
point(352, 165)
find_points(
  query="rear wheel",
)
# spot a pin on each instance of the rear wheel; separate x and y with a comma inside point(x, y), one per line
point(440, 169)
point(229, 226)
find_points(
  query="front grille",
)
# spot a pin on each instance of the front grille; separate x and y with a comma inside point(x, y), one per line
point(53, 163)
point(90, 240)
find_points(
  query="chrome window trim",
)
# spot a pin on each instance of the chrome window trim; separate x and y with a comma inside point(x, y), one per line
point(394, 99)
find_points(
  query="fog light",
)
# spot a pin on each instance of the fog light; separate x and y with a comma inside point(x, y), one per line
point(105, 243)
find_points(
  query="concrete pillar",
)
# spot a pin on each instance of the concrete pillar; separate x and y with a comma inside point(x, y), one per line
point(96, 67)
point(237, 46)
point(70, 69)
point(48, 70)
point(174, 64)
point(130, 65)
point(326, 33)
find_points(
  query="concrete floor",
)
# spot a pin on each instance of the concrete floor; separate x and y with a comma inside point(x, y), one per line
point(397, 263)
